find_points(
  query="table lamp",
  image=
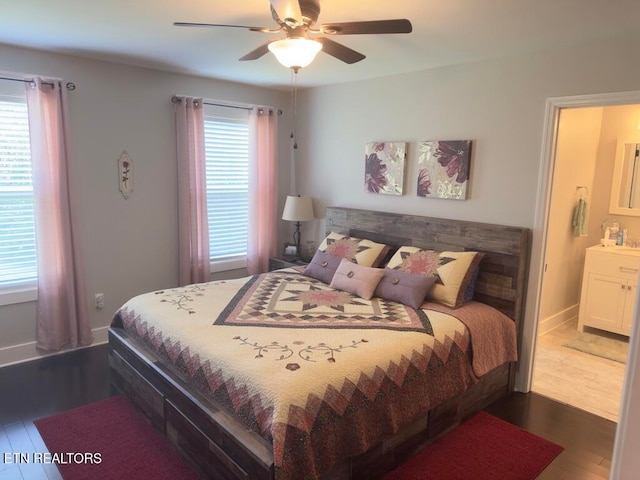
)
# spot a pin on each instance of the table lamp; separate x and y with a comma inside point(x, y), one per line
point(297, 209)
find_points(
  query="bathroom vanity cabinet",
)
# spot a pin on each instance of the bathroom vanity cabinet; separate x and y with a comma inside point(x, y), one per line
point(609, 285)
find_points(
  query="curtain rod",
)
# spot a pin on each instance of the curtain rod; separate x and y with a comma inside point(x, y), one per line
point(175, 99)
point(70, 85)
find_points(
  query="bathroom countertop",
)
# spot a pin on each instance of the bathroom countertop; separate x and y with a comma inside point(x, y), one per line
point(622, 250)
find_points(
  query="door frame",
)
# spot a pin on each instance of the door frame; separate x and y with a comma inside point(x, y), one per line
point(541, 217)
point(624, 459)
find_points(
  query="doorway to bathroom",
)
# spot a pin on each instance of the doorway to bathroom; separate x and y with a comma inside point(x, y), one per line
point(584, 150)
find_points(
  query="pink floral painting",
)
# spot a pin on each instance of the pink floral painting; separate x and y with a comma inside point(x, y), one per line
point(443, 168)
point(384, 167)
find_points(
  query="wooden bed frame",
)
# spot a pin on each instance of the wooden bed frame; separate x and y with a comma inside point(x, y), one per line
point(220, 447)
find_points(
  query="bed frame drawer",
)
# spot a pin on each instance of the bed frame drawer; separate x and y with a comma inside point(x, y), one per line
point(207, 436)
point(145, 396)
point(477, 397)
point(192, 443)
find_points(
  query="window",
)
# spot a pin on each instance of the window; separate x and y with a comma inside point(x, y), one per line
point(226, 135)
point(18, 271)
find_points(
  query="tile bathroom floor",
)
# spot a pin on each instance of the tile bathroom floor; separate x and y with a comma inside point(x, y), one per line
point(578, 379)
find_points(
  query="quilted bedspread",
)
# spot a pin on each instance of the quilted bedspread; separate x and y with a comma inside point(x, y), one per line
point(318, 372)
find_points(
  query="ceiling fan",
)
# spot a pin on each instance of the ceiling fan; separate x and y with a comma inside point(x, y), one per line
point(302, 40)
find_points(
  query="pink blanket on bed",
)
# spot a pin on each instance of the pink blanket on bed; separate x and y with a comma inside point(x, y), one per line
point(493, 337)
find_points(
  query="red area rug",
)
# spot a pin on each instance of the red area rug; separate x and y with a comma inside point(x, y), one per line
point(482, 448)
point(128, 446)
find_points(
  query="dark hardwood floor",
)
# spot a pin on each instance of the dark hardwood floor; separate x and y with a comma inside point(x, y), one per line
point(44, 387)
point(587, 439)
point(54, 384)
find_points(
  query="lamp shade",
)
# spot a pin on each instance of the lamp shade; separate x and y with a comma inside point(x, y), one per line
point(298, 209)
point(295, 52)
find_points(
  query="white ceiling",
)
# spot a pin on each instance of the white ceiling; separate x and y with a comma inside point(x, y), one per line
point(445, 32)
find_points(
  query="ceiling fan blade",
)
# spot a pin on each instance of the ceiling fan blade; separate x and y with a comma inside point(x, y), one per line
point(257, 53)
point(400, 25)
point(215, 25)
point(339, 51)
point(287, 11)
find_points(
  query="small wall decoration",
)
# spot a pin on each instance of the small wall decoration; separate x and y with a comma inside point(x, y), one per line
point(384, 167)
point(126, 174)
point(443, 168)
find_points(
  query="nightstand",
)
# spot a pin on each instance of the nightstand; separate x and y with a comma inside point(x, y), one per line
point(276, 263)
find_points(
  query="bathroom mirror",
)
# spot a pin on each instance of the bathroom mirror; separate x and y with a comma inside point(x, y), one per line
point(625, 187)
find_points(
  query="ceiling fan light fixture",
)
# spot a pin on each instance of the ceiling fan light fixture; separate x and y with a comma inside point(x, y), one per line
point(295, 52)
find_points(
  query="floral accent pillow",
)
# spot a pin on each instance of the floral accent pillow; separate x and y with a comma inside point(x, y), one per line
point(356, 250)
point(454, 271)
point(353, 278)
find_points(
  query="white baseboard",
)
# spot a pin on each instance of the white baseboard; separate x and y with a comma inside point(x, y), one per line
point(27, 351)
point(554, 321)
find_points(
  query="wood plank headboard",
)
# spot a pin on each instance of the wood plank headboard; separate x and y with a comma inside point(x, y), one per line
point(503, 270)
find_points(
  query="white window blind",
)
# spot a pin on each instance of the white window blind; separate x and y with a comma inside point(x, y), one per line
point(227, 174)
point(17, 224)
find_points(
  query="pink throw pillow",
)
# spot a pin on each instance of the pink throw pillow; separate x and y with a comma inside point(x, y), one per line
point(356, 279)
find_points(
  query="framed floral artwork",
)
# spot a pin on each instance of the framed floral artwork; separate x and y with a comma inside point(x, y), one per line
point(443, 168)
point(384, 167)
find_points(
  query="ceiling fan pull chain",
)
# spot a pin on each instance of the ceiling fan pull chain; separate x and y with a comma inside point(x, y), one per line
point(294, 106)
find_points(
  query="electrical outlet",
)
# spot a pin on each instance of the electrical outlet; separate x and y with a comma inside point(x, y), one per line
point(99, 298)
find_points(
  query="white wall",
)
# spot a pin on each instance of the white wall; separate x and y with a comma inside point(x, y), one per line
point(130, 246)
point(625, 463)
point(576, 156)
point(617, 122)
point(499, 104)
